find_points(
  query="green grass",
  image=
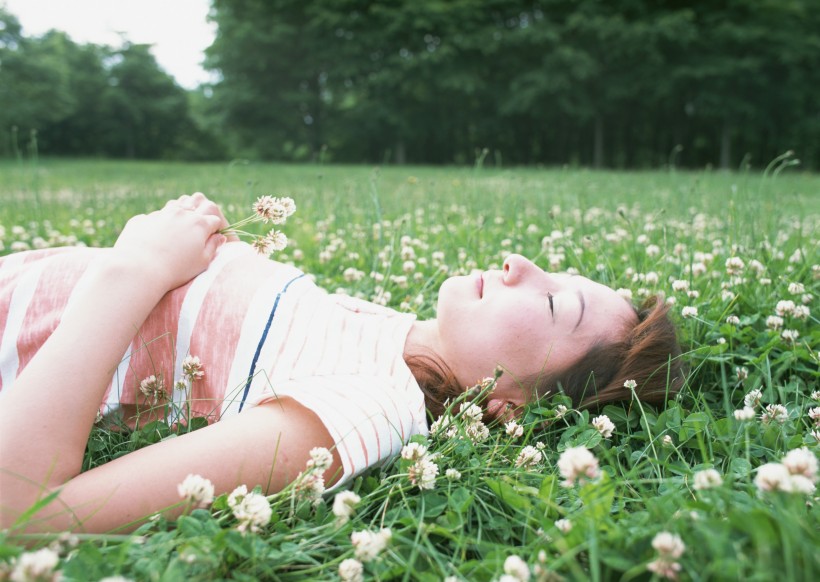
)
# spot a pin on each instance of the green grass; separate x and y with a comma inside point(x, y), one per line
point(602, 223)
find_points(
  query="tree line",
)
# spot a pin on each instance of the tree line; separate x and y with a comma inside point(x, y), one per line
point(627, 83)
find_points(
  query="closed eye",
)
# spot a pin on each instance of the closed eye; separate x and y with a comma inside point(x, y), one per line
point(552, 310)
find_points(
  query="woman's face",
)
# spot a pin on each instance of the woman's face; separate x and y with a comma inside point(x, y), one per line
point(525, 320)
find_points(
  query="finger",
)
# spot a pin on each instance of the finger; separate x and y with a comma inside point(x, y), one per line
point(213, 243)
point(210, 208)
point(213, 223)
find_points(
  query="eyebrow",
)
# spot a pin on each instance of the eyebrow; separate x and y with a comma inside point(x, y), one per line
point(583, 306)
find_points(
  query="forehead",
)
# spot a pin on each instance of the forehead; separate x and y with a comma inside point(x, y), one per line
point(602, 304)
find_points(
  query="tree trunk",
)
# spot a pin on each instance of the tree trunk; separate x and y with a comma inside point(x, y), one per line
point(725, 147)
point(401, 154)
point(598, 146)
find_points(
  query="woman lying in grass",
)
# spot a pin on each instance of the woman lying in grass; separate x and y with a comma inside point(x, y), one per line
point(177, 321)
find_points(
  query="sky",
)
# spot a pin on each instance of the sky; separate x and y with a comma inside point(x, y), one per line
point(178, 29)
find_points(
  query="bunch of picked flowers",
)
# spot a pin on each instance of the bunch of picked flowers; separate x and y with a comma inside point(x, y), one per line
point(266, 209)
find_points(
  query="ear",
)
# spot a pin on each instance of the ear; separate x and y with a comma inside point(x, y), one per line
point(503, 410)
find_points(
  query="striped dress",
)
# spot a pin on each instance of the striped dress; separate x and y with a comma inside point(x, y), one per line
point(262, 330)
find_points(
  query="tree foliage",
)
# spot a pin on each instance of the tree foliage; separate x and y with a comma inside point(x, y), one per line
point(630, 83)
point(84, 99)
point(535, 81)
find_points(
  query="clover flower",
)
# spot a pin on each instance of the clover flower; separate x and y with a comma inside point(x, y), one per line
point(774, 413)
point(36, 566)
point(752, 398)
point(670, 548)
point(192, 368)
point(423, 473)
point(774, 322)
point(734, 265)
point(251, 510)
point(790, 335)
point(452, 474)
point(196, 490)
point(577, 464)
point(630, 384)
point(413, 452)
point(667, 440)
point(742, 372)
point(797, 473)
point(351, 570)
point(368, 545)
point(344, 506)
point(320, 459)
point(443, 427)
point(513, 429)
point(564, 525)
point(745, 413)
point(689, 311)
point(603, 425)
point(560, 411)
point(528, 457)
point(733, 320)
point(814, 414)
point(784, 307)
point(266, 209)
point(516, 568)
point(153, 387)
point(707, 479)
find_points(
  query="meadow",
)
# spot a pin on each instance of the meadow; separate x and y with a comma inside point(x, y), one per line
point(708, 487)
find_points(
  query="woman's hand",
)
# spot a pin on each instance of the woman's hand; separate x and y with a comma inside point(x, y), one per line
point(173, 245)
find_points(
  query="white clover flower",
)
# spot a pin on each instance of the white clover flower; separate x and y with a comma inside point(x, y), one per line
point(153, 388)
point(734, 265)
point(680, 285)
point(452, 474)
point(577, 464)
point(773, 477)
point(196, 490)
point(35, 566)
point(707, 479)
point(733, 320)
point(815, 395)
point(564, 525)
point(774, 413)
point(814, 414)
point(668, 545)
point(320, 459)
point(752, 398)
point(251, 510)
point(423, 473)
point(801, 312)
point(689, 311)
point(344, 506)
point(667, 440)
point(517, 568)
point(806, 298)
point(693, 294)
point(368, 545)
point(796, 288)
point(513, 429)
point(664, 568)
point(471, 412)
point(630, 384)
point(351, 570)
point(790, 335)
point(528, 457)
point(603, 425)
point(560, 411)
point(802, 485)
point(625, 293)
point(443, 427)
point(742, 372)
point(784, 307)
point(275, 240)
point(192, 368)
point(413, 451)
point(774, 322)
point(309, 485)
point(801, 462)
point(745, 413)
point(477, 431)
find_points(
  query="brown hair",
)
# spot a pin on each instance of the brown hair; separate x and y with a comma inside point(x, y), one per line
point(649, 354)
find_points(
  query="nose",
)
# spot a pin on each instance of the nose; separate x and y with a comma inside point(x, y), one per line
point(518, 269)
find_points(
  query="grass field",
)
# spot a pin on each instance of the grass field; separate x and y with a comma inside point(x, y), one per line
point(740, 248)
